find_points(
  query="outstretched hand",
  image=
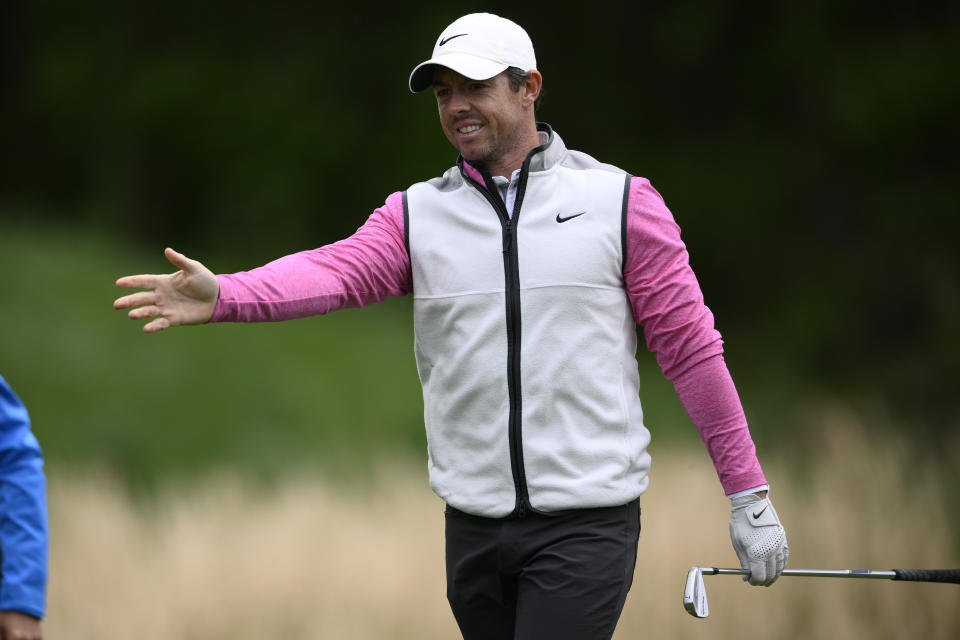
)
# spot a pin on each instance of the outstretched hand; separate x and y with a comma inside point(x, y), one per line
point(187, 296)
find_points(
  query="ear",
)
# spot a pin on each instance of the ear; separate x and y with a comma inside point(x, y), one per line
point(531, 88)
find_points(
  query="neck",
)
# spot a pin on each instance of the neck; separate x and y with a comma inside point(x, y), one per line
point(512, 161)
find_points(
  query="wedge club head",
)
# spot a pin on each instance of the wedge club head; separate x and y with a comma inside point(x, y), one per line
point(695, 594)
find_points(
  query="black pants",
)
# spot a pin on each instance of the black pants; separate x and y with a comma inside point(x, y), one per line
point(551, 577)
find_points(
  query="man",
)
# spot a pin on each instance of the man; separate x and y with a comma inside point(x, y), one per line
point(23, 523)
point(530, 266)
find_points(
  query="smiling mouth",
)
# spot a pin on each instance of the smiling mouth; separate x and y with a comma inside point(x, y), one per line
point(470, 128)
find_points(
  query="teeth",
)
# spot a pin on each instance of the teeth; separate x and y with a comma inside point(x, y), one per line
point(472, 127)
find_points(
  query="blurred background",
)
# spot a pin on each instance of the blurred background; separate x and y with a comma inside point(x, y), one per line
point(808, 152)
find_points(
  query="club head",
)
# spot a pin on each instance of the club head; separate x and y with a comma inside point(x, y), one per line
point(695, 594)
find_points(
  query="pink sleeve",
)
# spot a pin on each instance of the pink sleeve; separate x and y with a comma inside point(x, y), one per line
point(367, 267)
point(678, 328)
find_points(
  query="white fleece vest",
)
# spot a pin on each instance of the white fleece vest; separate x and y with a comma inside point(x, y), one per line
point(525, 341)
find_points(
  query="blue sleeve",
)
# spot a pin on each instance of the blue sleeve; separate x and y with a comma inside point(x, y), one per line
point(23, 511)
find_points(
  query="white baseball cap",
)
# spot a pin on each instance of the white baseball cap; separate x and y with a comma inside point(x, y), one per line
point(479, 46)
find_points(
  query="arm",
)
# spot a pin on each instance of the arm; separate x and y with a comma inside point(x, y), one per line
point(23, 520)
point(678, 327)
point(367, 267)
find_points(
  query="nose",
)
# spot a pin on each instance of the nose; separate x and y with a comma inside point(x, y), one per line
point(458, 102)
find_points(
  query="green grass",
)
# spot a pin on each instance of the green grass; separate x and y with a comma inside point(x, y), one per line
point(101, 392)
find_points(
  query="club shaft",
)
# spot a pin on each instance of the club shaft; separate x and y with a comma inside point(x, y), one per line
point(812, 573)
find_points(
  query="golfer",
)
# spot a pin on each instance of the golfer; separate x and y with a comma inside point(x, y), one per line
point(23, 523)
point(530, 265)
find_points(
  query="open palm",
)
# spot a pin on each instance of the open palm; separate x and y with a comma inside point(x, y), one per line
point(187, 296)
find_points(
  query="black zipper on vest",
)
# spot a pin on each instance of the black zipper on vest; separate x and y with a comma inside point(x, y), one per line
point(512, 288)
point(511, 269)
point(512, 279)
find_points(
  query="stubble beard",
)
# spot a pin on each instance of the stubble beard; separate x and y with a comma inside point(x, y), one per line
point(496, 148)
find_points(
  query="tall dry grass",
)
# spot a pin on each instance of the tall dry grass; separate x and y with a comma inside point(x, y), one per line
point(227, 559)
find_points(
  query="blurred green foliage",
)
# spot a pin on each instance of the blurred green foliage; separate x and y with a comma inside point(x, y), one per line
point(808, 151)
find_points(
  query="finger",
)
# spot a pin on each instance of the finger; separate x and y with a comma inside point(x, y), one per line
point(141, 313)
point(776, 568)
point(782, 561)
point(771, 569)
point(143, 281)
point(180, 261)
point(744, 564)
point(159, 324)
point(135, 300)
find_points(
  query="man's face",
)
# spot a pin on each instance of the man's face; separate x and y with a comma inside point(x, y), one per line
point(484, 120)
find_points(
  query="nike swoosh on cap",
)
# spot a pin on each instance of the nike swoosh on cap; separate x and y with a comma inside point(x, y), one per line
point(576, 215)
point(446, 40)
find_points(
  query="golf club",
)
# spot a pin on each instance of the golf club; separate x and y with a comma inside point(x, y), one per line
point(695, 594)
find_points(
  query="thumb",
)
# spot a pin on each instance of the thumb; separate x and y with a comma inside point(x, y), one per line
point(179, 260)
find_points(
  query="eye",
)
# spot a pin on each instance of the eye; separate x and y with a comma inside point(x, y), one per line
point(441, 92)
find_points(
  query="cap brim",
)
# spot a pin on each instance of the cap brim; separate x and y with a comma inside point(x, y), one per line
point(465, 64)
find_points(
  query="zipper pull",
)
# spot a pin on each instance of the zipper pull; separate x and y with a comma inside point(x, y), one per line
point(507, 239)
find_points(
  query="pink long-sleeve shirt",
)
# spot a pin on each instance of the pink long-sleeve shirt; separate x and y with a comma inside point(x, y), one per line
point(373, 264)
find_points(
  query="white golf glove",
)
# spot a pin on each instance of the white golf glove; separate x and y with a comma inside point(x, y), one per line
point(758, 538)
